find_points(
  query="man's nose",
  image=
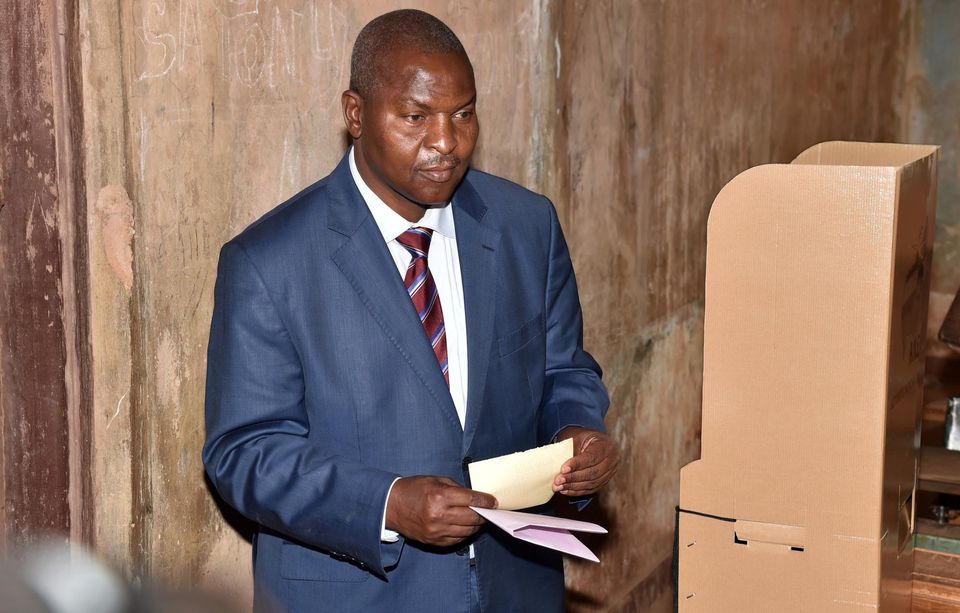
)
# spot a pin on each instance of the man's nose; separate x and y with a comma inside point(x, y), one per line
point(442, 136)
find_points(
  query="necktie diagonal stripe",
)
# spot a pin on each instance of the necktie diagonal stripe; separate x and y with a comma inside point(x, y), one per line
point(423, 293)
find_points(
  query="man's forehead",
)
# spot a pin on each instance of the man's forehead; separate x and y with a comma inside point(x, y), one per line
point(405, 68)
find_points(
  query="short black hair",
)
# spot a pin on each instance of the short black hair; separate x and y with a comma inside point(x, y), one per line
point(402, 29)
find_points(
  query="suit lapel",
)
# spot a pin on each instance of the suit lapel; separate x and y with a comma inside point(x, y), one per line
point(477, 243)
point(365, 261)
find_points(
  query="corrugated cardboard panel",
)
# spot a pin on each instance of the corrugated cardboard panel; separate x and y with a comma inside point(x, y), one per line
point(722, 569)
point(816, 297)
point(843, 153)
point(794, 354)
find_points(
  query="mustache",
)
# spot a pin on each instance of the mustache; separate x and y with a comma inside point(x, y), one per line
point(440, 161)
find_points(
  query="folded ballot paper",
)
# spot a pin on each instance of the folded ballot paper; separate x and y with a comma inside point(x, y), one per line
point(525, 479)
point(543, 530)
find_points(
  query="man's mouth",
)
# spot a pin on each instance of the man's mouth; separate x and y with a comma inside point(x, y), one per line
point(440, 173)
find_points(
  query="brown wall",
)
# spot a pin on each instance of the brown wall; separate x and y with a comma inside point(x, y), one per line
point(661, 105)
point(43, 348)
point(199, 116)
point(930, 112)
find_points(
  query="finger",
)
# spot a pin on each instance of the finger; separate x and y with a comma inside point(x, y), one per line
point(586, 474)
point(456, 532)
point(587, 486)
point(483, 500)
point(580, 472)
point(463, 517)
point(442, 540)
point(569, 468)
point(600, 473)
point(579, 486)
point(585, 489)
point(446, 542)
point(449, 535)
point(462, 497)
point(580, 461)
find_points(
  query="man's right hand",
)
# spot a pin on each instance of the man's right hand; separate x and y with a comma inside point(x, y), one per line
point(435, 510)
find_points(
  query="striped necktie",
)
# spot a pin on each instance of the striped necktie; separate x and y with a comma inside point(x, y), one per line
point(423, 292)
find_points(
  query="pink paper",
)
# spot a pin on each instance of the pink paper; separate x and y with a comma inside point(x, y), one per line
point(543, 530)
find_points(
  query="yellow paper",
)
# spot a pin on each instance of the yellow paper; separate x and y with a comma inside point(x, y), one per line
point(523, 479)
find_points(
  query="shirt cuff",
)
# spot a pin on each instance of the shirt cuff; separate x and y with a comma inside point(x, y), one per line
point(388, 536)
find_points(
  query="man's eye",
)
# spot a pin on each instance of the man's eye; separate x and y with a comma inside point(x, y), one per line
point(464, 114)
point(414, 118)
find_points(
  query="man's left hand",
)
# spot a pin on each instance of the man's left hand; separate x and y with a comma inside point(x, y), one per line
point(595, 459)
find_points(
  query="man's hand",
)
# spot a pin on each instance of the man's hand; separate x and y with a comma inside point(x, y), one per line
point(595, 459)
point(435, 510)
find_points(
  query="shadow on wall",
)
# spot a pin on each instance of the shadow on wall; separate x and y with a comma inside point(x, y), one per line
point(240, 524)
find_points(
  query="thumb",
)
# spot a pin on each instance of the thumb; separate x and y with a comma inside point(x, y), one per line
point(483, 500)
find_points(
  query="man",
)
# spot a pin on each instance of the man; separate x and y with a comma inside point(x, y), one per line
point(377, 331)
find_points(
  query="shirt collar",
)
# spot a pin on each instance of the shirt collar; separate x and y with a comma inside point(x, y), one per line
point(391, 223)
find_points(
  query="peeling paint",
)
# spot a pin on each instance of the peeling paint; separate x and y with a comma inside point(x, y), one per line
point(115, 212)
point(31, 249)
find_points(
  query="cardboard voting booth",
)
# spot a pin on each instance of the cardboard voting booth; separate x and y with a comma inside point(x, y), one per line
point(817, 284)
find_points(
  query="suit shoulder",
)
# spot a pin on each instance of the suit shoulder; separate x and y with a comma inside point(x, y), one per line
point(286, 220)
point(504, 190)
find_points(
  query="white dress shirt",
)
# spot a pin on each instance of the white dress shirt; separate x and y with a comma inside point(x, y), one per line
point(443, 259)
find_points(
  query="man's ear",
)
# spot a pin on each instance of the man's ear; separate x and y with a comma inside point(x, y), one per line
point(352, 105)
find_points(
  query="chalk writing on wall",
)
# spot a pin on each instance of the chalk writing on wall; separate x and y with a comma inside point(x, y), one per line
point(254, 43)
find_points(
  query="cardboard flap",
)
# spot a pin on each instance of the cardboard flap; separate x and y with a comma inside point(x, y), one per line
point(774, 534)
point(843, 153)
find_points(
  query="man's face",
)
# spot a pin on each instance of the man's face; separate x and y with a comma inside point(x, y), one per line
point(414, 135)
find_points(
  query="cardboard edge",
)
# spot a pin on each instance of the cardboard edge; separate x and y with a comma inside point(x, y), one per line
point(862, 153)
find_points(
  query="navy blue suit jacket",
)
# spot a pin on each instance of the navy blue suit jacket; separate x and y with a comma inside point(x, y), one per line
point(322, 388)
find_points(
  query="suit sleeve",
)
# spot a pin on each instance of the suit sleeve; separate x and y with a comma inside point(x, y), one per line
point(573, 392)
point(257, 452)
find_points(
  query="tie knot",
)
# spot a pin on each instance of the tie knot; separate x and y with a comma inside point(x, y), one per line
point(417, 241)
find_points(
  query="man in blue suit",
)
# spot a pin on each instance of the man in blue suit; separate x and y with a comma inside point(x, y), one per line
point(379, 330)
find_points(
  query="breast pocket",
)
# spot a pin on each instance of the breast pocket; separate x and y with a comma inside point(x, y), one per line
point(519, 338)
point(303, 564)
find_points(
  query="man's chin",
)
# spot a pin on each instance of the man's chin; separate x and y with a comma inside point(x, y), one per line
point(432, 199)
point(432, 194)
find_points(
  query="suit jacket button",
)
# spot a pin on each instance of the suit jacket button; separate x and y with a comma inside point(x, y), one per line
point(466, 462)
point(463, 550)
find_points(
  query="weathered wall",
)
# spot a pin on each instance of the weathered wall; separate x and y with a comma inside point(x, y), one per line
point(661, 103)
point(31, 337)
point(199, 116)
point(931, 114)
point(42, 326)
